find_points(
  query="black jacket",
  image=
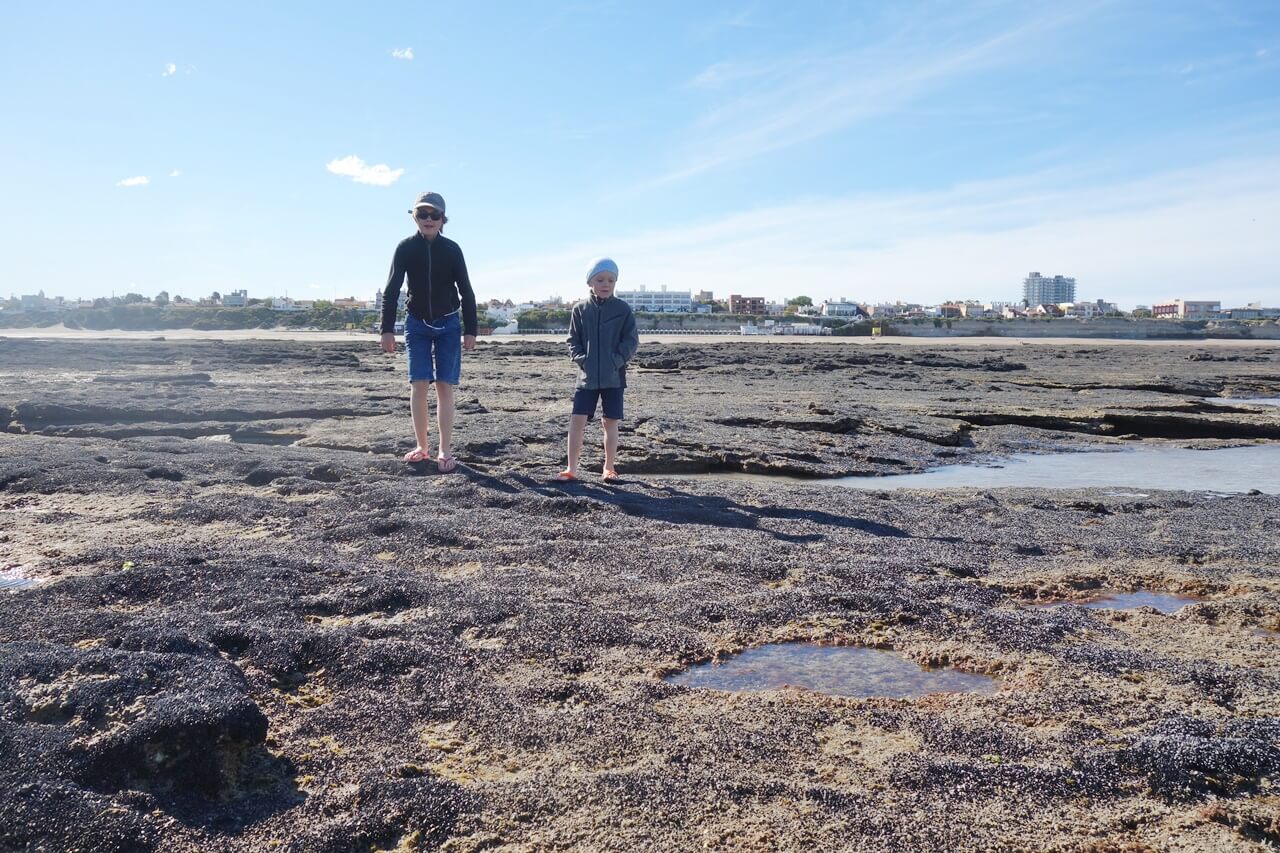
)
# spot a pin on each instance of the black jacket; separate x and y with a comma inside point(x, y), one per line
point(438, 282)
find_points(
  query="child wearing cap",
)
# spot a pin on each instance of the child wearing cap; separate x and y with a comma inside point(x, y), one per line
point(434, 333)
point(602, 339)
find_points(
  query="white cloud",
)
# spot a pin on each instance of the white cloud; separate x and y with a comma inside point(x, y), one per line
point(357, 170)
point(137, 181)
point(1195, 233)
point(403, 53)
point(175, 173)
point(169, 70)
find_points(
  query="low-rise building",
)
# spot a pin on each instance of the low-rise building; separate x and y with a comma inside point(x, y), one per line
point(1087, 310)
point(661, 301)
point(746, 304)
point(235, 299)
point(284, 303)
point(842, 308)
point(1187, 309)
point(34, 302)
point(897, 309)
point(1252, 311)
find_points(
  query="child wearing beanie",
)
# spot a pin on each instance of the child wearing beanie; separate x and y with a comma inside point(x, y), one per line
point(602, 339)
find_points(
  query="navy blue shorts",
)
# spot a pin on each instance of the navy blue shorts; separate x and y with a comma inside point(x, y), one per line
point(584, 402)
point(435, 349)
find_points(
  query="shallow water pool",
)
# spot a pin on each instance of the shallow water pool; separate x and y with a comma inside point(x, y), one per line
point(1248, 401)
point(1165, 602)
point(14, 579)
point(854, 672)
point(1226, 470)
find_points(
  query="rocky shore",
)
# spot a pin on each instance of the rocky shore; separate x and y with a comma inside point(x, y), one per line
point(258, 629)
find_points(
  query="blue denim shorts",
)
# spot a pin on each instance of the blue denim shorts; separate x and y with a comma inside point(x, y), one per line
point(435, 349)
point(584, 402)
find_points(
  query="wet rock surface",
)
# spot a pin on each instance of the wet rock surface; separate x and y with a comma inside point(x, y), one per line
point(261, 630)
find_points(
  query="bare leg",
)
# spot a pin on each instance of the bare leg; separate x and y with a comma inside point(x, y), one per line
point(610, 442)
point(577, 427)
point(444, 416)
point(421, 414)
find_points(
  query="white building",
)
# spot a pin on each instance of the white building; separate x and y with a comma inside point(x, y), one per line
point(658, 301)
point(509, 312)
point(401, 303)
point(235, 299)
point(1087, 310)
point(1253, 311)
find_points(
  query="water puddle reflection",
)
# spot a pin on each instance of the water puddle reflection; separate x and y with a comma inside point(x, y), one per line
point(853, 672)
point(13, 579)
point(1244, 401)
point(1229, 470)
point(1165, 602)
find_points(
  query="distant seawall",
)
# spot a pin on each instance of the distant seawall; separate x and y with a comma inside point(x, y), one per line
point(1101, 328)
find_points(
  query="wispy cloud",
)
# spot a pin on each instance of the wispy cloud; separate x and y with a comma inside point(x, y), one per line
point(169, 70)
point(403, 53)
point(805, 96)
point(1200, 232)
point(351, 166)
point(721, 74)
point(136, 181)
point(175, 173)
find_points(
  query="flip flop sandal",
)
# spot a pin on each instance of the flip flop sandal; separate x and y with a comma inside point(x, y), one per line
point(446, 464)
point(610, 476)
point(566, 476)
point(415, 456)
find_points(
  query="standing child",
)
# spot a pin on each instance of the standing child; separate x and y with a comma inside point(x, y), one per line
point(434, 334)
point(602, 339)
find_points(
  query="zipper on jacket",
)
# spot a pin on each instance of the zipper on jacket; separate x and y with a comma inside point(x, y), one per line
point(431, 313)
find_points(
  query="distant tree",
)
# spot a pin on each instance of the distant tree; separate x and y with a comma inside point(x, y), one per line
point(134, 298)
point(1142, 313)
point(162, 298)
point(800, 301)
point(216, 296)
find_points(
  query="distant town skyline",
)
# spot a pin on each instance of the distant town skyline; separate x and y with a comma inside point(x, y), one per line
point(242, 297)
point(864, 151)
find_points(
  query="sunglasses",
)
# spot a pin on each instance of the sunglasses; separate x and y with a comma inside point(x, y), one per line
point(433, 215)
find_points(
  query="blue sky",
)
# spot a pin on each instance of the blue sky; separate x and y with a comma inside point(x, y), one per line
point(873, 151)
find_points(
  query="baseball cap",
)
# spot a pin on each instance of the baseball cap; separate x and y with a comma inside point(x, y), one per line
point(429, 200)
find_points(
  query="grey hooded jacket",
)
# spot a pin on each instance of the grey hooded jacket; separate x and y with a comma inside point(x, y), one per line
point(602, 339)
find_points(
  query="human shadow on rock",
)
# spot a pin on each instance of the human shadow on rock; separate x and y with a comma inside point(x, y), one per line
point(677, 507)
